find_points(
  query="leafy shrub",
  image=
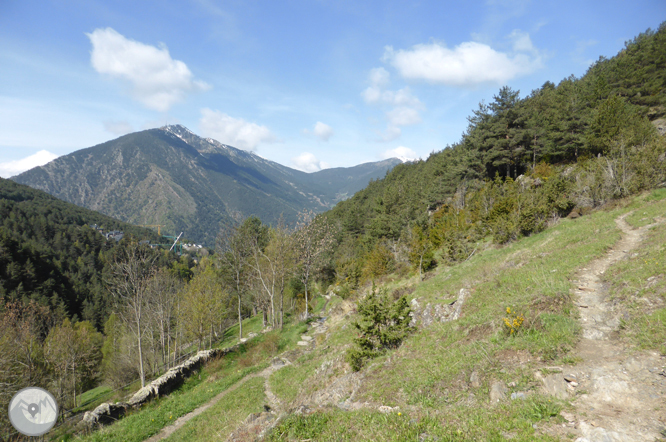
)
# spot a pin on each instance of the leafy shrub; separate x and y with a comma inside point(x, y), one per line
point(383, 325)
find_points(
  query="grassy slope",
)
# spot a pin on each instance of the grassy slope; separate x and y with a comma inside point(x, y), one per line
point(428, 377)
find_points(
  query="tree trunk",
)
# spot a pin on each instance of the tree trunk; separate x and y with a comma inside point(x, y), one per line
point(141, 373)
point(240, 319)
point(306, 300)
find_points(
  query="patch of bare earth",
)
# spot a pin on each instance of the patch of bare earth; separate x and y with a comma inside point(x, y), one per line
point(619, 393)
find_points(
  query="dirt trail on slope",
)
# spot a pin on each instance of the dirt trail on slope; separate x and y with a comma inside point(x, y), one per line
point(181, 421)
point(621, 392)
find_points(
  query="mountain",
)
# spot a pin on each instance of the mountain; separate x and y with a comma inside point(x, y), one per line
point(172, 177)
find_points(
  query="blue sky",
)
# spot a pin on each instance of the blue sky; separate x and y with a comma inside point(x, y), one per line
point(309, 84)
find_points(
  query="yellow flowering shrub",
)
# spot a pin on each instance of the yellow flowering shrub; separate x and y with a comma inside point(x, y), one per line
point(513, 323)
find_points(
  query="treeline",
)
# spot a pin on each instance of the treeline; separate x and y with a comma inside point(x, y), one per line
point(520, 163)
point(158, 312)
point(50, 254)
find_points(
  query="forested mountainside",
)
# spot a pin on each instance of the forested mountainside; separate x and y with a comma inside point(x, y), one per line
point(577, 144)
point(172, 177)
point(50, 253)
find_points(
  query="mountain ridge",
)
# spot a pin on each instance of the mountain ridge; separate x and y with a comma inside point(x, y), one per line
point(173, 177)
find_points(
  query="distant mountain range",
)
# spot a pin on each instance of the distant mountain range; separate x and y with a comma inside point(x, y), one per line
point(174, 178)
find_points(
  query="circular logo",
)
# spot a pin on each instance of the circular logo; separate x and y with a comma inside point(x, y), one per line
point(33, 411)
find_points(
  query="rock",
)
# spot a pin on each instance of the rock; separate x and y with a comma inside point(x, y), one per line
point(387, 409)
point(497, 392)
point(475, 379)
point(555, 385)
point(570, 378)
point(105, 414)
point(512, 384)
point(303, 343)
point(660, 124)
point(518, 395)
point(632, 365)
point(306, 338)
point(567, 416)
point(243, 340)
point(252, 335)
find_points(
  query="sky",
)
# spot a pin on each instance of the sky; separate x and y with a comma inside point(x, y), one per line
point(310, 84)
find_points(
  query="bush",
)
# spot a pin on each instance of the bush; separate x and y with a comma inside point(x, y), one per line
point(383, 325)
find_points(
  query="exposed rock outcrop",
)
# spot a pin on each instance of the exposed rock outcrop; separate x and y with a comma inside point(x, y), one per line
point(425, 316)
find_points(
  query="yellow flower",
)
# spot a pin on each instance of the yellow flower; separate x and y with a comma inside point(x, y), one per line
point(508, 310)
point(399, 414)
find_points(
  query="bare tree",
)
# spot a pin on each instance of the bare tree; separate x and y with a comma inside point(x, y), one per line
point(234, 247)
point(273, 265)
point(163, 291)
point(129, 284)
point(313, 239)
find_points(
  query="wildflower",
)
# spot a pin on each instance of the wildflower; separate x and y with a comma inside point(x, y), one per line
point(399, 414)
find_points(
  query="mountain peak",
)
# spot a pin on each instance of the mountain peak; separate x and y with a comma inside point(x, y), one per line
point(177, 130)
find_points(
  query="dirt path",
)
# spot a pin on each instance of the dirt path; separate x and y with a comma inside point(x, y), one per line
point(178, 423)
point(621, 393)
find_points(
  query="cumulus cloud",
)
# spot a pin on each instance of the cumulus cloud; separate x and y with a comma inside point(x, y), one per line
point(307, 162)
point(467, 64)
point(379, 77)
point(321, 130)
point(403, 116)
point(157, 80)
point(401, 152)
point(233, 131)
point(118, 127)
point(12, 168)
point(401, 107)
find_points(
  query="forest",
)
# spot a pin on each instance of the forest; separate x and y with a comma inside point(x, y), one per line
point(522, 164)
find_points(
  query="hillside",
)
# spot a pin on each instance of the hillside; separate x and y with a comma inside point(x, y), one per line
point(50, 254)
point(606, 125)
point(172, 177)
point(586, 360)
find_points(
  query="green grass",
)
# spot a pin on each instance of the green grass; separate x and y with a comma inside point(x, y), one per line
point(513, 421)
point(152, 417)
point(218, 421)
point(532, 276)
point(647, 207)
point(428, 376)
point(638, 283)
point(215, 377)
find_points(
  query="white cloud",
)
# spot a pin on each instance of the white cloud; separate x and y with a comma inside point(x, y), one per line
point(522, 41)
point(401, 97)
point(401, 152)
point(118, 127)
point(392, 132)
point(233, 131)
point(468, 64)
point(403, 116)
point(403, 106)
point(379, 77)
point(158, 81)
point(307, 162)
point(12, 168)
point(323, 131)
